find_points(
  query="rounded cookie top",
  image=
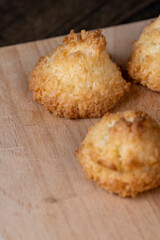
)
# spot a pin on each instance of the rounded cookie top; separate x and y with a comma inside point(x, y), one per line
point(122, 153)
point(143, 65)
point(78, 79)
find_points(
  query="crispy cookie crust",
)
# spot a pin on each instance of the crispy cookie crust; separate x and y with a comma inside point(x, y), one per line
point(78, 79)
point(144, 63)
point(122, 153)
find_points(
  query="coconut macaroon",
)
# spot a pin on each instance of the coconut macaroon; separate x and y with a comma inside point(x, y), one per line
point(144, 63)
point(78, 79)
point(122, 153)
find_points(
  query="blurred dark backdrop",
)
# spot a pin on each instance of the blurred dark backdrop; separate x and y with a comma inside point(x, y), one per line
point(28, 20)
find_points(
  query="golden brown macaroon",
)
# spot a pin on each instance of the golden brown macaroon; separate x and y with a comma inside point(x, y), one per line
point(122, 153)
point(144, 63)
point(78, 79)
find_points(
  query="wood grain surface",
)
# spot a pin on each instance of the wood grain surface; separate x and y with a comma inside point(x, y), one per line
point(44, 193)
point(22, 21)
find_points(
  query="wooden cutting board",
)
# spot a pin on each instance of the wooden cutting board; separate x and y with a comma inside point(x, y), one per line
point(44, 193)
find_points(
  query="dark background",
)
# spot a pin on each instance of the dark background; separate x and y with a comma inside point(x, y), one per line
point(28, 20)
